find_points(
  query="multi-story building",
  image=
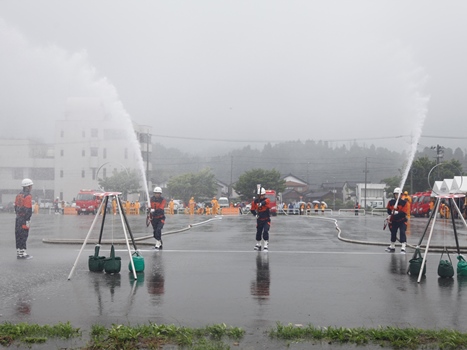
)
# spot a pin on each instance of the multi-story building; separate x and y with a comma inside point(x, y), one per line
point(26, 158)
point(371, 195)
point(89, 144)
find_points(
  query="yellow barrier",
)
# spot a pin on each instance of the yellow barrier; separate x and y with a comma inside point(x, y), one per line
point(69, 211)
point(230, 211)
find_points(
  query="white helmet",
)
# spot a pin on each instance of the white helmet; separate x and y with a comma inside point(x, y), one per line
point(262, 191)
point(157, 190)
point(397, 190)
point(26, 182)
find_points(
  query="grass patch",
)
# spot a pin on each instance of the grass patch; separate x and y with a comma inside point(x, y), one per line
point(23, 332)
point(219, 336)
point(154, 336)
point(151, 336)
point(396, 338)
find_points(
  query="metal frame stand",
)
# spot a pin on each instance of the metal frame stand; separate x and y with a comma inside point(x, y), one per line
point(125, 225)
point(451, 203)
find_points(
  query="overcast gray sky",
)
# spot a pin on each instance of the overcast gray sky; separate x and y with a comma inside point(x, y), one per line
point(242, 70)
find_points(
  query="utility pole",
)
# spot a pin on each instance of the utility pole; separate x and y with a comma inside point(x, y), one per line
point(439, 152)
point(148, 137)
point(231, 176)
point(366, 172)
point(334, 193)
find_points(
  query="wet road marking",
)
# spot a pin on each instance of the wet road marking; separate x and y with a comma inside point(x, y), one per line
point(250, 251)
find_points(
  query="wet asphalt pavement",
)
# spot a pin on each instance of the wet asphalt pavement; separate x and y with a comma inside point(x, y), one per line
point(210, 274)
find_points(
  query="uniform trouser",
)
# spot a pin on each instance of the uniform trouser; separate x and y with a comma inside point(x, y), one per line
point(262, 229)
point(21, 234)
point(157, 225)
point(402, 227)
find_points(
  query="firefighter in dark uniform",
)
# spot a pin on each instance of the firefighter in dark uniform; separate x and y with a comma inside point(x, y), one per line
point(397, 220)
point(157, 216)
point(23, 210)
point(260, 208)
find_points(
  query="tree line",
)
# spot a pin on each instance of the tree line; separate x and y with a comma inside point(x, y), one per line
point(314, 162)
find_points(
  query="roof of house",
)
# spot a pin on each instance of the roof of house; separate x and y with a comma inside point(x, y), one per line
point(296, 178)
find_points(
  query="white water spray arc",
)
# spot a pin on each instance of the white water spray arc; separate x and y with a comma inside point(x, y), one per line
point(45, 76)
point(108, 95)
point(418, 111)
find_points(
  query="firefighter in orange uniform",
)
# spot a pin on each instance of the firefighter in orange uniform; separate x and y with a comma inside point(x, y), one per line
point(444, 211)
point(397, 220)
point(127, 208)
point(171, 206)
point(432, 205)
point(36, 208)
point(191, 204)
point(23, 210)
point(260, 208)
point(408, 199)
point(114, 206)
point(215, 206)
point(157, 216)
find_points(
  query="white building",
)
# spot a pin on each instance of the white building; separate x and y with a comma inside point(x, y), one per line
point(21, 159)
point(89, 144)
point(371, 195)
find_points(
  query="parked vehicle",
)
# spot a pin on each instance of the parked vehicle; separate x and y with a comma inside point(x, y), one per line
point(271, 194)
point(88, 201)
point(246, 209)
point(178, 204)
point(423, 204)
point(414, 206)
point(223, 202)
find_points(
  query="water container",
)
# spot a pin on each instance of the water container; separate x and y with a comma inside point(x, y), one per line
point(96, 262)
point(112, 264)
point(138, 261)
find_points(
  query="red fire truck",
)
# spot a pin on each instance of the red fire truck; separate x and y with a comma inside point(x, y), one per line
point(88, 201)
point(271, 194)
point(422, 205)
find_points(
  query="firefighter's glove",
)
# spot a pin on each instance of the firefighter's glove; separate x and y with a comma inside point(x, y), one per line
point(153, 210)
point(260, 205)
point(257, 216)
point(396, 212)
point(28, 224)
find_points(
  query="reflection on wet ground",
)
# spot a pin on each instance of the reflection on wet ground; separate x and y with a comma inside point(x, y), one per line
point(260, 285)
point(210, 274)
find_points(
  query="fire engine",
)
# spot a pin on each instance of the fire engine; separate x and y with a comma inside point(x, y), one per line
point(88, 201)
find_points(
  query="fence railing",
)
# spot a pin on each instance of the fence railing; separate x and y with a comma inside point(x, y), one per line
point(355, 212)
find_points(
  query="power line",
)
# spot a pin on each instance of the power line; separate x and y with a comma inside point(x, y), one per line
point(322, 140)
point(272, 141)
